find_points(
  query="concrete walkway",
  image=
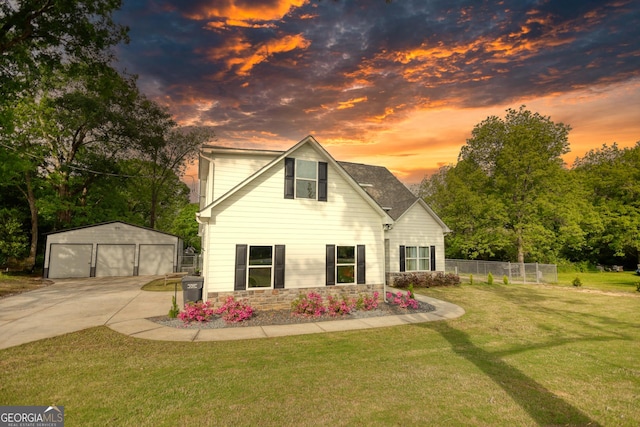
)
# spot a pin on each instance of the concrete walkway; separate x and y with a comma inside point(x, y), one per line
point(71, 305)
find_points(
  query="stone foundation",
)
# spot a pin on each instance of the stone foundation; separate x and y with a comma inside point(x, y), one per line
point(280, 299)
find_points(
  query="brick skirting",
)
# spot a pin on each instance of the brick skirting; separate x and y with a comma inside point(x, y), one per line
point(279, 299)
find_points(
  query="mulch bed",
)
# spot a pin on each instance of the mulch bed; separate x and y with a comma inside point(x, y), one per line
point(284, 317)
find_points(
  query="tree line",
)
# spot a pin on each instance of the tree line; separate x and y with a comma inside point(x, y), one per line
point(79, 143)
point(510, 197)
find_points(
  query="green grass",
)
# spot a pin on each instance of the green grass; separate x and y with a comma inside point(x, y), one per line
point(15, 283)
point(522, 355)
point(163, 285)
point(605, 281)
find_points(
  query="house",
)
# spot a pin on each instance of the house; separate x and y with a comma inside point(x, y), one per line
point(275, 224)
point(112, 248)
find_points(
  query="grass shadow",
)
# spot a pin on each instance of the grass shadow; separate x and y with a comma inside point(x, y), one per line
point(544, 407)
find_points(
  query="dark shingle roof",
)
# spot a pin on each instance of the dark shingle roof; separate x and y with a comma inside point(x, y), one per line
point(382, 186)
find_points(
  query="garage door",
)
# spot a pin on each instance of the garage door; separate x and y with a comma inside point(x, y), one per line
point(156, 259)
point(70, 260)
point(115, 260)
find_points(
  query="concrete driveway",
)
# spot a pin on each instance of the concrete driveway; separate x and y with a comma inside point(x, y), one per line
point(71, 305)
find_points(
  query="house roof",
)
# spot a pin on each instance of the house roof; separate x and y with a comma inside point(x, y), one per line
point(387, 190)
point(107, 223)
point(377, 182)
point(382, 186)
point(310, 140)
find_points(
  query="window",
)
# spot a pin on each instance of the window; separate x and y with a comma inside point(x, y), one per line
point(346, 264)
point(305, 179)
point(260, 266)
point(417, 258)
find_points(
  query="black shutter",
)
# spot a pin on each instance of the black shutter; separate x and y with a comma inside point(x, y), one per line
point(361, 263)
point(322, 181)
point(240, 281)
point(433, 258)
point(289, 177)
point(402, 259)
point(278, 277)
point(331, 265)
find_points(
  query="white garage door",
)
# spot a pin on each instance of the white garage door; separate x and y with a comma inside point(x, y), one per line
point(156, 259)
point(115, 260)
point(70, 260)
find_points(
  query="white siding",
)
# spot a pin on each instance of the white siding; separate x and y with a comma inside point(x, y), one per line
point(230, 169)
point(415, 228)
point(258, 214)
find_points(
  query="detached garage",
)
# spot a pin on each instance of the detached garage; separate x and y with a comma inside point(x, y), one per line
point(110, 249)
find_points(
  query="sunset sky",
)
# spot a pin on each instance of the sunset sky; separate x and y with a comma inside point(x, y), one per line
point(399, 85)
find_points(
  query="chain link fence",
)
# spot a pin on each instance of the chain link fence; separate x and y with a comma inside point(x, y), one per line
point(516, 272)
point(190, 263)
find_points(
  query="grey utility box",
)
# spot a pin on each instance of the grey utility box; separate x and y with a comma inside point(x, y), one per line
point(192, 288)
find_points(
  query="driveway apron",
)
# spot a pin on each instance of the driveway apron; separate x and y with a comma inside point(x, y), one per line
point(70, 305)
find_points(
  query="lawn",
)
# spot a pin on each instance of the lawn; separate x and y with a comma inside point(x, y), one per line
point(522, 355)
point(625, 281)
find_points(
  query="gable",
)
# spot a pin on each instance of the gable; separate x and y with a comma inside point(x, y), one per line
point(307, 149)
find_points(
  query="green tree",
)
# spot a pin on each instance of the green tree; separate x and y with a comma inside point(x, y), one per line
point(40, 36)
point(186, 226)
point(612, 177)
point(509, 195)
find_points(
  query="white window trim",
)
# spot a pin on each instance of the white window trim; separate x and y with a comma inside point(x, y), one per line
point(354, 265)
point(296, 178)
point(271, 266)
point(417, 258)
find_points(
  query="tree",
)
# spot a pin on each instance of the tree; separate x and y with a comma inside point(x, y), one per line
point(612, 177)
point(40, 36)
point(167, 150)
point(506, 186)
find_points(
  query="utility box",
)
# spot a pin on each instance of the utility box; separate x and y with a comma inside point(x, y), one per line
point(192, 288)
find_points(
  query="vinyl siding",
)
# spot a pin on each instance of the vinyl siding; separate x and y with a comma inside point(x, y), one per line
point(229, 170)
point(415, 228)
point(258, 214)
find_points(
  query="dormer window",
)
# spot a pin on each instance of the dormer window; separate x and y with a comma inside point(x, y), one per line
point(305, 179)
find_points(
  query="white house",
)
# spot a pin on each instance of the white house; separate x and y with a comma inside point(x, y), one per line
point(275, 224)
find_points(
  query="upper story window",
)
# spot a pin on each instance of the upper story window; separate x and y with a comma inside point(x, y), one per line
point(305, 179)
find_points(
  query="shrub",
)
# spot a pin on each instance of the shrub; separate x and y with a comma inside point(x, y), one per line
point(410, 293)
point(505, 279)
point(576, 282)
point(339, 306)
point(638, 286)
point(310, 305)
point(471, 279)
point(403, 301)
point(490, 279)
point(196, 312)
point(426, 280)
point(233, 311)
point(367, 303)
point(174, 310)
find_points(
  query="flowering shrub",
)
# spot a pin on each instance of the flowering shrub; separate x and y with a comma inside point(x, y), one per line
point(310, 305)
point(404, 301)
point(367, 303)
point(196, 312)
point(233, 311)
point(339, 306)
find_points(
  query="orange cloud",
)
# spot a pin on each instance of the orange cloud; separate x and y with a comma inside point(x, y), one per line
point(238, 53)
point(238, 13)
point(351, 103)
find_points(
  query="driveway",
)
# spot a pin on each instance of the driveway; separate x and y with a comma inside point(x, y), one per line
point(71, 305)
